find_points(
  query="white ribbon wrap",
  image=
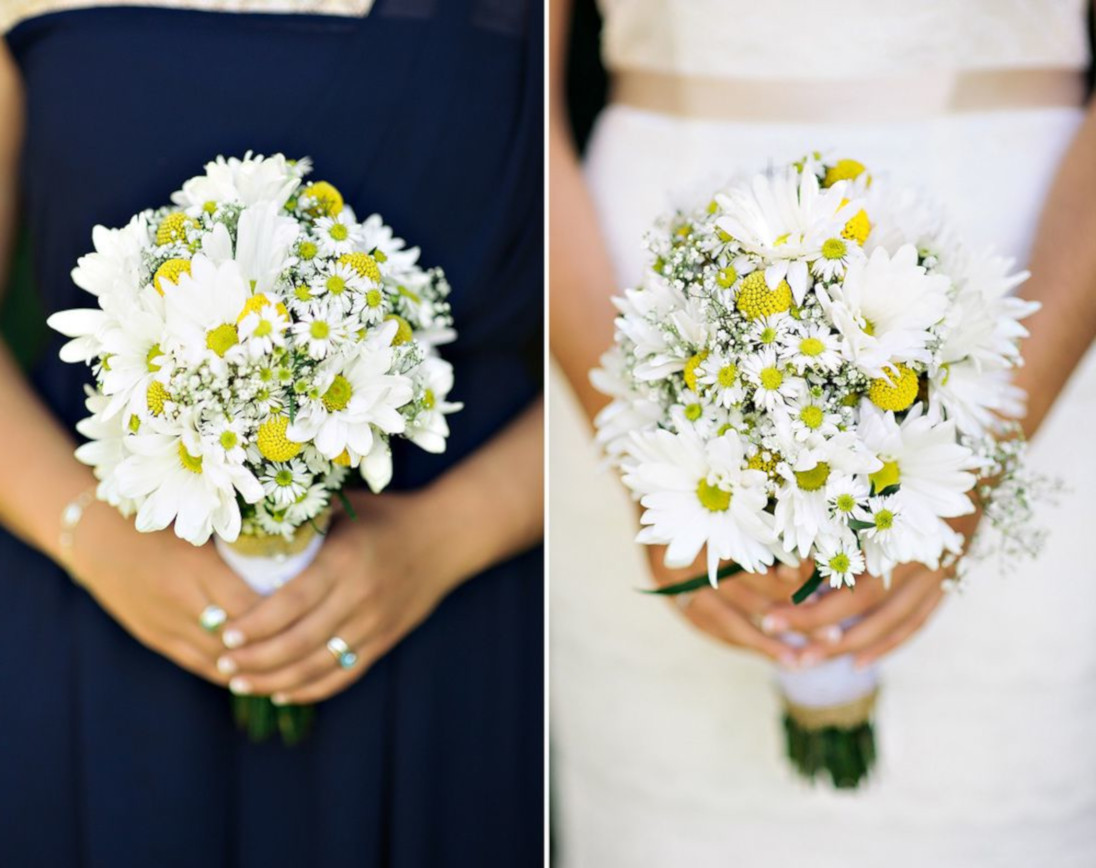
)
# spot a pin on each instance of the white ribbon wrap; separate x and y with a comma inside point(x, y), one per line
point(265, 574)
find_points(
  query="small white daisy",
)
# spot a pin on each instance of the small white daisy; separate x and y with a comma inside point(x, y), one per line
point(774, 384)
point(322, 329)
point(335, 235)
point(284, 482)
point(812, 346)
point(838, 559)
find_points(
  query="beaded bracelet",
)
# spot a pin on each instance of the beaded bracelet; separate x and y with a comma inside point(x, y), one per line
point(70, 518)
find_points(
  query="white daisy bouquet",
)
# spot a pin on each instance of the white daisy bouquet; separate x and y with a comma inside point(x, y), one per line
point(252, 344)
point(814, 367)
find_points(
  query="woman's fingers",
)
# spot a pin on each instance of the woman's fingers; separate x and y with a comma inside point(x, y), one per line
point(713, 615)
point(902, 601)
point(744, 596)
point(225, 589)
point(281, 609)
point(910, 626)
point(831, 610)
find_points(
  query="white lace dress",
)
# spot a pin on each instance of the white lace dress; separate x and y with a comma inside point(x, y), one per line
point(666, 746)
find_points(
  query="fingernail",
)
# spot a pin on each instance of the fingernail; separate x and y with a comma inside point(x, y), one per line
point(240, 686)
point(809, 658)
point(226, 665)
point(786, 573)
point(279, 699)
point(773, 624)
point(789, 660)
point(232, 638)
point(832, 634)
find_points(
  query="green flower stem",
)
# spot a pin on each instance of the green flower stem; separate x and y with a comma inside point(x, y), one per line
point(695, 584)
point(260, 719)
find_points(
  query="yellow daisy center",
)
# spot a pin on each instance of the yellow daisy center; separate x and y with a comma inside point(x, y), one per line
point(845, 503)
point(756, 300)
point(319, 329)
point(811, 347)
point(193, 463)
point(403, 331)
point(336, 285)
point(429, 400)
point(170, 271)
point(154, 352)
point(339, 232)
point(813, 479)
point(811, 416)
point(308, 250)
point(373, 298)
point(884, 519)
point(857, 228)
point(712, 497)
point(272, 441)
point(885, 476)
point(257, 302)
point(303, 292)
point(222, 339)
point(692, 365)
point(727, 375)
point(726, 277)
point(364, 264)
point(834, 248)
point(134, 423)
point(323, 198)
point(897, 390)
point(342, 459)
point(771, 378)
point(842, 170)
point(693, 412)
point(229, 440)
point(840, 563)
point(155, 397)
point(338, 394)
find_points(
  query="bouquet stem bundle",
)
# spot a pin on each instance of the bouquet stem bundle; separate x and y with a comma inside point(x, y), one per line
point(266, 562)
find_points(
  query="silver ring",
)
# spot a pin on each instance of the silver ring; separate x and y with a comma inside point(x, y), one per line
point(341, 652)
point(212, 617)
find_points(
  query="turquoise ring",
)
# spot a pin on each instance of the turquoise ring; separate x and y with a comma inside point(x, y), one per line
point(341, 652)
point(212, 618)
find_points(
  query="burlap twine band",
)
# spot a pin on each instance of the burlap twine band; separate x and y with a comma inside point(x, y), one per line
point(848, 715)
point(274, 545)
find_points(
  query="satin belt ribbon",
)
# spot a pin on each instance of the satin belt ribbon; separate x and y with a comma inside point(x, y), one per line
point(895, 98)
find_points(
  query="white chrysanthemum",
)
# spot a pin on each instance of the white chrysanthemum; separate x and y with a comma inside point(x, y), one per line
point(265, 240)
point(335, 235)
point(429, 429)
point(783, 218)
point(249, 181)
point(976, 400)
point(885, 308)
point(353, 399)
point(201, 312)
point(839, 560)
point(285, 482)
point(812, 346)
point(774, 384)
point(104, 451)
point(374, 235)
point(721, 378)
point(698, 494)
point(321, 330)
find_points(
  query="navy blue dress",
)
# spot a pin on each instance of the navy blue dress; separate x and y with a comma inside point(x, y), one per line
point(431, 114)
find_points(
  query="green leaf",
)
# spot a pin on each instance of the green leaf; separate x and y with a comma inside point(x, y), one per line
point(889, 490)
point(347, 505)
point(857, 524)
point(807, 588)
point(694, 584)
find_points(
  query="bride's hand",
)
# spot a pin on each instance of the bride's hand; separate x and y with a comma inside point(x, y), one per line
point(734, 612)
point(156, 586)
point(375, 579)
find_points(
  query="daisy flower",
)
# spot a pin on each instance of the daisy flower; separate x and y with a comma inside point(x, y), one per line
point(774, 384)
point(721, 379)
point(249, 181)
point(834, 257)
point(428, 428)
point(839, 560)
point(340, 286)
point(698, 495)
point(812, 346)
point(201, 312)
point(321, 329)
point(885, 308)
point(284, 482)
point(770, 331)
point(263, 326)
point(335, 235)
point(845, 493)
point(309, 504)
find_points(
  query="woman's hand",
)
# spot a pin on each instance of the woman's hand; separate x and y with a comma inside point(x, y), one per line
point(888, 618)
point(156, 586)
point(738, 611)
point(375, 579)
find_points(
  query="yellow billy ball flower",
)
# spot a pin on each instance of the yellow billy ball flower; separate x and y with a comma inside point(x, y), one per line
point(272, 442)
point(756, 300)
point(170, 271)
point(857, 228)
point(713, 498)
point(403, 331)
point(155, 397)
point(323, 199)
point(173, 228)
point(764, 461)
point(842, 170)
point(256, 303)
point(364, 264)
point(691, 367)
point(896, 390)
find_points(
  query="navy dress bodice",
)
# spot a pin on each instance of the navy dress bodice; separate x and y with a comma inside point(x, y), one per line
point(430, 113)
